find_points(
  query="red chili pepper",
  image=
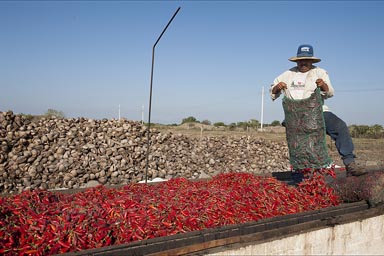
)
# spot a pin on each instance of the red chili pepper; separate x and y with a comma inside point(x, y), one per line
point(100, 216)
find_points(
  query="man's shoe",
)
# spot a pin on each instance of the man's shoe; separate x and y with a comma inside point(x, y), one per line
point(355, 170)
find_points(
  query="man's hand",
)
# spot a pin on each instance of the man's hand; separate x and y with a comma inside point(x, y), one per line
point(322, 85)
point(280, 86)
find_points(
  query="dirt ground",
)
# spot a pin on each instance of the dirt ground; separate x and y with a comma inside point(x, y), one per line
point(369, 152)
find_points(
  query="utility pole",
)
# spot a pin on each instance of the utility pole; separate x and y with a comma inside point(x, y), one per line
point(142, 114)
point(119, 112)
point(262, 109)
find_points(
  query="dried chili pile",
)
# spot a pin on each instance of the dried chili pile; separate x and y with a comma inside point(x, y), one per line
point(41, 222)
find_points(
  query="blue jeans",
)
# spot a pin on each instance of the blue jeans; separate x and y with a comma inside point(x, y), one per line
point(338, 131)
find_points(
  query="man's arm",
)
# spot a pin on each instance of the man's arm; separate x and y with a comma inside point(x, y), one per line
point(279, 84)
point(324, 83)
point(276, 89)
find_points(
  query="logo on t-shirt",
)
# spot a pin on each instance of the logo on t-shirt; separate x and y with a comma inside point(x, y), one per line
point(297, 84)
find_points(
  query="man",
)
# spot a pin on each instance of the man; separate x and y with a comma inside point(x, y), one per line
point(299, 83)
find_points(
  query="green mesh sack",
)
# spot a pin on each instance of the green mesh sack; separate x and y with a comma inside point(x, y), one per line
point(305, 132)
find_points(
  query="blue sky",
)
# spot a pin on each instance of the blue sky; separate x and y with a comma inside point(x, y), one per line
point(87, 58)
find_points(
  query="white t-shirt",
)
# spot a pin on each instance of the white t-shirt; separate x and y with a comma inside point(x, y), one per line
point(302, 85)
point(297, 86)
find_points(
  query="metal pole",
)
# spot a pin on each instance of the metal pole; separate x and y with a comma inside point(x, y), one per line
point(150, 94)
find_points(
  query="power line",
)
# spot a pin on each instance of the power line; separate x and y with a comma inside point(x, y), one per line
point(362, 90)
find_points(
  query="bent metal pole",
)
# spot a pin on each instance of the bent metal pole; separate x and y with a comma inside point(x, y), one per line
point(150, 95)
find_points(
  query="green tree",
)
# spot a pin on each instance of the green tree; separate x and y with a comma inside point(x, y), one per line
point(189, 119)
point(207, 122)
point(217, 124)
point(375, 131)
point(242, 125)
point(253, 123)
point(275, 123)
point(361, 131)
point(353, 130)
point(232, 126)
point(56, 113)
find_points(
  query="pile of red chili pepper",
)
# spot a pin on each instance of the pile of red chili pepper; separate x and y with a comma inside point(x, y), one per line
point(41, 222)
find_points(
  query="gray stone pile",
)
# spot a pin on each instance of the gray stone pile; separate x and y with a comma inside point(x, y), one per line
point(56, 153)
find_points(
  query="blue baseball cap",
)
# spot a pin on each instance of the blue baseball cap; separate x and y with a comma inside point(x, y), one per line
point(305, 52)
